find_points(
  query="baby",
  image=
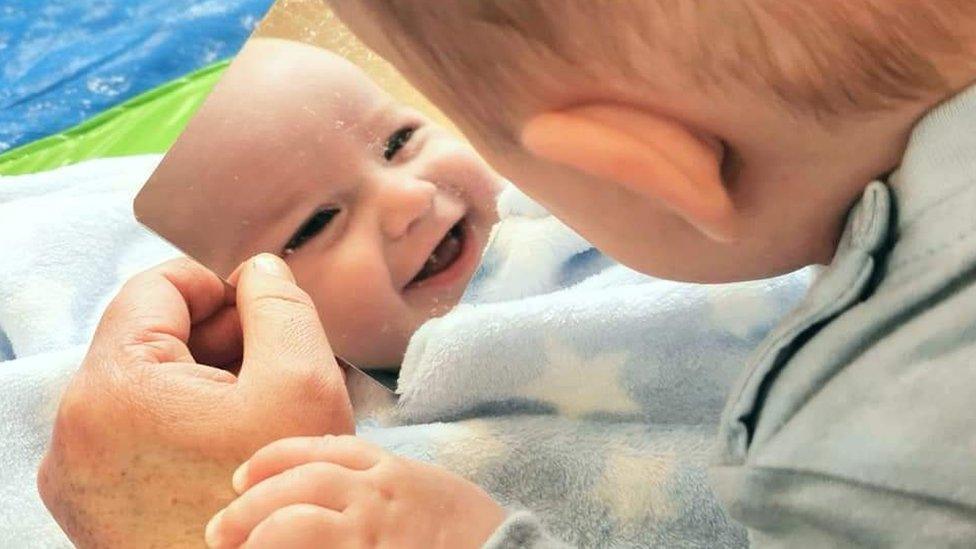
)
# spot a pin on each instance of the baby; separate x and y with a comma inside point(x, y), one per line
point(381, 214)
point(719, 141)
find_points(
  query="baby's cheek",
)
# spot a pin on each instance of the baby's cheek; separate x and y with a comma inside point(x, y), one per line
point(366, 321)
point(454, 162)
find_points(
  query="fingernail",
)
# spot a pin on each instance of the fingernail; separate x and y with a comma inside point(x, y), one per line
point(272, 265)
point(211, 535)
point(240, 477)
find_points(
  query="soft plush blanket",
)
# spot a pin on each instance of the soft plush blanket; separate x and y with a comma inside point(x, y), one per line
point(67, 242)
point(564, 384)
point(582, 390)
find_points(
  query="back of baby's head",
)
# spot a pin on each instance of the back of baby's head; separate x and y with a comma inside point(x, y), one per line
point(482, 51)
point(830, 56)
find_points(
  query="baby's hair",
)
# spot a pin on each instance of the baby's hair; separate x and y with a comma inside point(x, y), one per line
point(821, 57)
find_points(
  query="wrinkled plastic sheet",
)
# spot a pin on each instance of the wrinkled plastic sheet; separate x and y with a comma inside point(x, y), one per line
point(63, 61)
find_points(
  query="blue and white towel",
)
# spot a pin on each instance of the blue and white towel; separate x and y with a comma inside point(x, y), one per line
point(564, 383)
point(549, 323)
point(582, 390)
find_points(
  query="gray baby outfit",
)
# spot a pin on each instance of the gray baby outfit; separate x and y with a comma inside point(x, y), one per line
point(855, 422)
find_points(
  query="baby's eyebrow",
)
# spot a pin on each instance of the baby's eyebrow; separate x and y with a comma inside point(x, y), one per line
point(376, 116)
point(387, 113)
point(273, 219)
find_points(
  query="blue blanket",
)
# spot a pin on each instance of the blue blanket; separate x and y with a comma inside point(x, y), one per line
point(564, 383)
point(584, 391)
point(63, 61)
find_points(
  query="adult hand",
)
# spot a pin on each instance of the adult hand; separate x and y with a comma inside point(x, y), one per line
point(148, 436)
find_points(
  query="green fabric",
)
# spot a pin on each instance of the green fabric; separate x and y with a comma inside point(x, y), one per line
point(148, 123)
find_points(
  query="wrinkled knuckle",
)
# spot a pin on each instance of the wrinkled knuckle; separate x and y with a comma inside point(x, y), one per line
point(284, 299)
point(79, 415)
point(138, 388)
point(73, 407)
point(149, 346)
point(147, 334)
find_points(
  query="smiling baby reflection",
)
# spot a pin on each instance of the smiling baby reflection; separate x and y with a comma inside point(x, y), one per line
point(381, 214)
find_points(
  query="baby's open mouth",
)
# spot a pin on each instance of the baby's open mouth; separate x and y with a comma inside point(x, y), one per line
point(447, 252)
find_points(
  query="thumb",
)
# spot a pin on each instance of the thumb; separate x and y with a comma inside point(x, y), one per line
point(284, 342)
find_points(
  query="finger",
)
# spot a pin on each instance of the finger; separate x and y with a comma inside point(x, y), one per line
point(150, 318)
point(318, 483)
point(346, 451)
point(218, 341)
point(284, 341)
point(197, 371)
point(300, 526)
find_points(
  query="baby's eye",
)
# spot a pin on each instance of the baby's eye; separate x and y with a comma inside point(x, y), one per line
point(396, 141)
point(313, 226)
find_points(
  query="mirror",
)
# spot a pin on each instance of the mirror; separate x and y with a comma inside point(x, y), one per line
point(588, 385)
point(312, 149)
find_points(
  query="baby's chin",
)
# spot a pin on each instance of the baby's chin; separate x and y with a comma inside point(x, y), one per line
point(382, 352)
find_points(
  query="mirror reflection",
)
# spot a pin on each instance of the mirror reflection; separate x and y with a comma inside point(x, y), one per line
point(546, 394)
point(381, 213)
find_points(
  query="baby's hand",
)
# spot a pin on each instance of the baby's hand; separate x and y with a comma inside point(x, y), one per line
point(345, 492)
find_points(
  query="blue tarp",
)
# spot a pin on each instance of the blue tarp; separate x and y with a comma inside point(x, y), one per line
point(62, 61)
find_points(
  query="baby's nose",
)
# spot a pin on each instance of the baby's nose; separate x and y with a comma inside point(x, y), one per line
point(403, 203)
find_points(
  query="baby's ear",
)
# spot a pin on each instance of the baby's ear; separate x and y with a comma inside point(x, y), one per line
point(651, 155)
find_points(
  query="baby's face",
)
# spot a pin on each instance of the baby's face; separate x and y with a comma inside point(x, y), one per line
point(381, 214)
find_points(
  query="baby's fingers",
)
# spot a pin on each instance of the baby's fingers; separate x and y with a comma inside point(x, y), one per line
point(300, 526)
point(348, 451)
point(318, 483)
